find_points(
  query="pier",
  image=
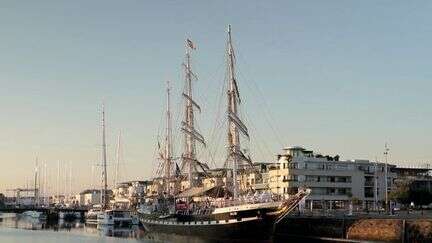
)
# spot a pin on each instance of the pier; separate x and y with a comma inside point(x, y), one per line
point(51, 212)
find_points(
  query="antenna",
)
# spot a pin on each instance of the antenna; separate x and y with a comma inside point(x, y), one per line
point(386, 152)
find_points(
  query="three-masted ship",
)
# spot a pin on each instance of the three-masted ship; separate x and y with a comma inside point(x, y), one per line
point(218, 210)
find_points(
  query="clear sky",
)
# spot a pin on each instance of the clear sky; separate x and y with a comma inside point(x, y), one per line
point(339, 77)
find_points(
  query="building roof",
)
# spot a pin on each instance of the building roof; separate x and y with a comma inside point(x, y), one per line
point(87, 191)
point(294, 148)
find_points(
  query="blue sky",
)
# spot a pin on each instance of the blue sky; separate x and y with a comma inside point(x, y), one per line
point(339, 77)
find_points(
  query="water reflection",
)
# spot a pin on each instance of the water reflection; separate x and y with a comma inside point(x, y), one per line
point(79, 228)
point(75, 226)
point(124, 232)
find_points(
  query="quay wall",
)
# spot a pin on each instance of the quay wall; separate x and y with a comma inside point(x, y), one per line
point(357, 229)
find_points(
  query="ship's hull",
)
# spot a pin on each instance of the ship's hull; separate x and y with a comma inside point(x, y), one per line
point(252, 227)
point(248, 222)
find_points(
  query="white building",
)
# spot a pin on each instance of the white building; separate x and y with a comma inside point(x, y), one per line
point(130, 193)
point(334, 183)
point(90, 197)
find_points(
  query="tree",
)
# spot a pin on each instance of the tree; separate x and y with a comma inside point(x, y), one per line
point(2, 200)
point(401, 193)
point(405, 193)
point(420, 197)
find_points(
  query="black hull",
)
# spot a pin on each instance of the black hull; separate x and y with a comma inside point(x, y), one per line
point(231, 229)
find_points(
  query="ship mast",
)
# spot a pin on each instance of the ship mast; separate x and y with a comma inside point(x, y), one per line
point(104, 193)
point(235, 125)
point(168, 140)
point(188, 128)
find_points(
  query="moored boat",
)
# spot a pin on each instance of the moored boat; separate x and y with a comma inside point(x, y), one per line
point(218, 210)
point(34, 214)
point(233, 220)
point(117, 217)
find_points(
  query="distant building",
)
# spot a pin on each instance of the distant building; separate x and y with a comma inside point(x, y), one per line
point(131, 193)
point(420, 178)
point(91, 197)
point(57, 199)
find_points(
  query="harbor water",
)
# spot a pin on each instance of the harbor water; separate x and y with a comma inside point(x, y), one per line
point(18, 229)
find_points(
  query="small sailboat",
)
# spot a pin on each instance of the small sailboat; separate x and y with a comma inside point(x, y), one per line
point(103, 215)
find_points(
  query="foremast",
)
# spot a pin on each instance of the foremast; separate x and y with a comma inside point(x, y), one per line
point(235, 125)
point(168, 159)
point(191, 135)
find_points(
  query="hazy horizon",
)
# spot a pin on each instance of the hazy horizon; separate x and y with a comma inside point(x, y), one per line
point(337, 77)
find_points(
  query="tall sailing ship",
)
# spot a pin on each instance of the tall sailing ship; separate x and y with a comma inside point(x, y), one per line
point(220, 209)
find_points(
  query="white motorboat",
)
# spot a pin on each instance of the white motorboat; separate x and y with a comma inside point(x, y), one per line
point(117, 217)
point(92, 215)
point(69, 215)
point(35, 214)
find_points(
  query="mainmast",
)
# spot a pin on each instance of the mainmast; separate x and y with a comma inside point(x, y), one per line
point(188, 128)
point(235, 125)
point(168, 140)
point(104, 193)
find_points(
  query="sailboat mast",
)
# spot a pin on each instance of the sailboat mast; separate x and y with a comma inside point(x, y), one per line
point(118, 151)
point(36, 189)
point(104, 193)
point(70, 179)
point(45, 184)
point(168, 138)
point(58, 181)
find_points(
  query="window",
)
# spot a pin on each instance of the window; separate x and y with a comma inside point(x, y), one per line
point(290, 178)
point(331, 191)
point(311, 178)
point(343, 179)
point(369, 192)
point(329, 167)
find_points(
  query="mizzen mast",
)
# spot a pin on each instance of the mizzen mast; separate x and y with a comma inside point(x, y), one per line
point(188, 127)
point(235, 125)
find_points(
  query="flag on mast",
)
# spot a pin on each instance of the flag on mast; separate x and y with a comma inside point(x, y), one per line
point(191, 44)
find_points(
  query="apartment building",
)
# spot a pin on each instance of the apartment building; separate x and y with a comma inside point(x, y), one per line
point(334, 183)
